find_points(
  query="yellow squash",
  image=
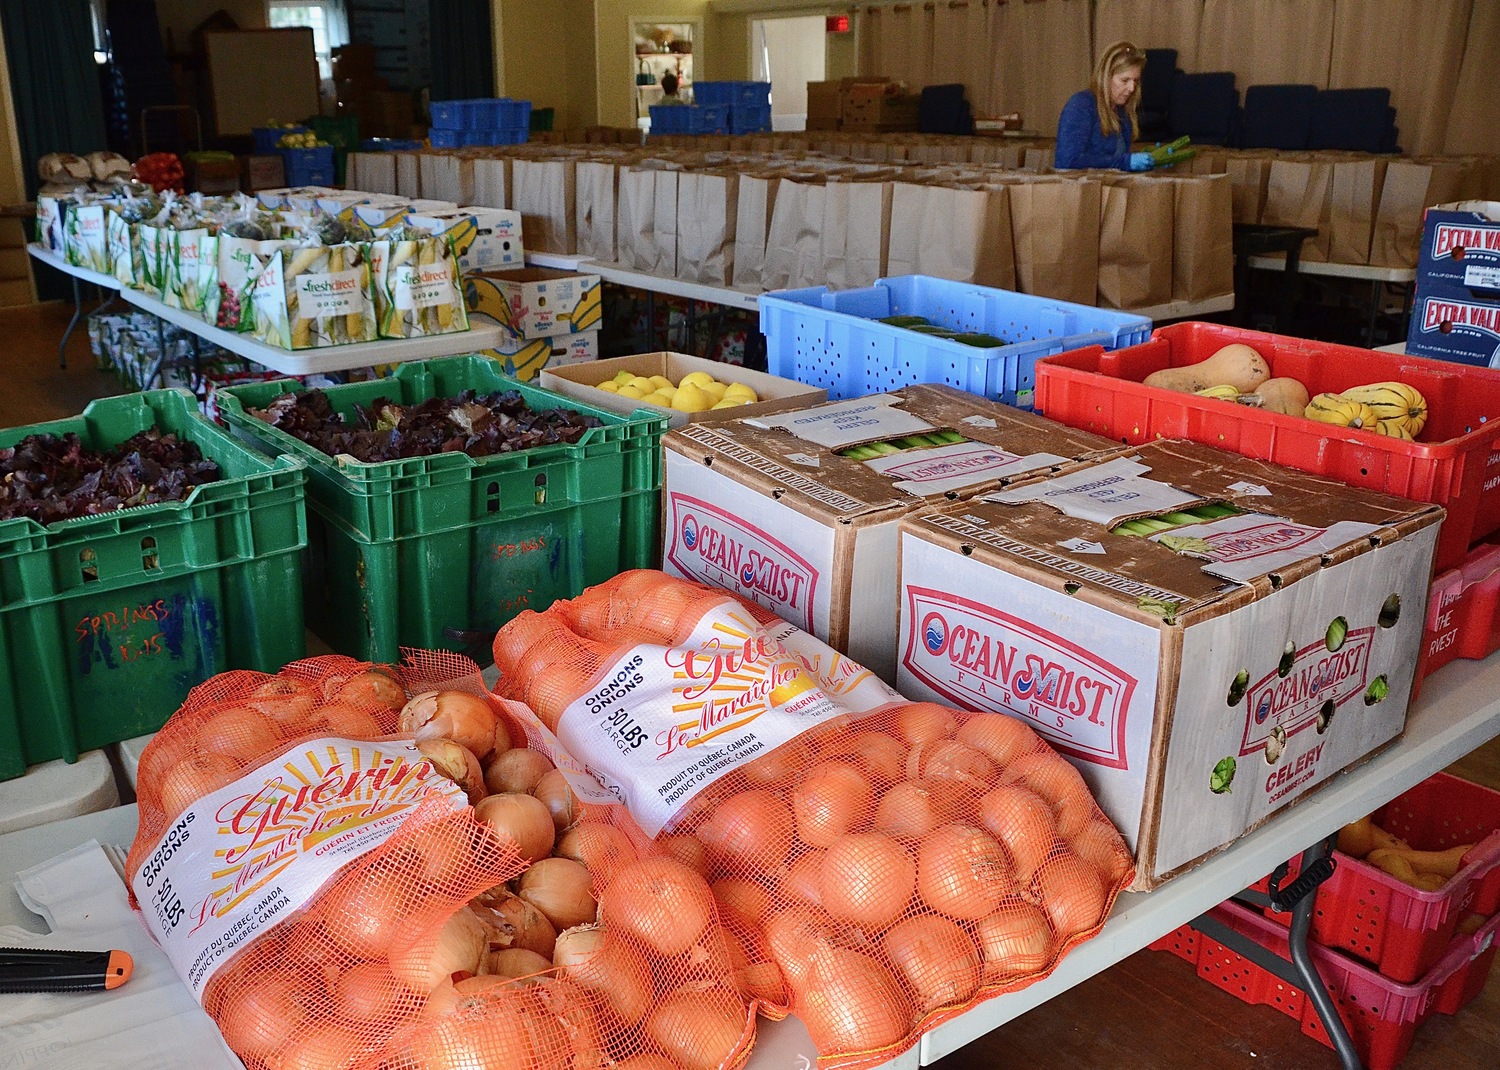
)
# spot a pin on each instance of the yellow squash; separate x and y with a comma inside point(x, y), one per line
point(1223, 392)
point(1396, 403)
point(1340, 411)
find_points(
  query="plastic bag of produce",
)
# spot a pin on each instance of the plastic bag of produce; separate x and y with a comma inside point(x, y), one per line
point(880, 865)
point(84, 243)
point(417, 284)
point(297, 861)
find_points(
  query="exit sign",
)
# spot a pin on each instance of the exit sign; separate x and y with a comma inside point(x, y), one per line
point(837, 23)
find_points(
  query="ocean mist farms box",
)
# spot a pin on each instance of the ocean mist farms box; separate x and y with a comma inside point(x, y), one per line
point(1202, 667)
point(773, 507)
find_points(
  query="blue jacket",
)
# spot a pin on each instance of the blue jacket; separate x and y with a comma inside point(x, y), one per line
point(1080, 142)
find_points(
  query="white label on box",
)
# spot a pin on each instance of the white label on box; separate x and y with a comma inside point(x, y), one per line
point(1082, 677)
point(1104, 494)
point(424, 286)
point(948, 468)
point(333, 293)
point(243, 858)
point(1479, 277)
point(849, 422)
point(664, 723)
point(1241, 548)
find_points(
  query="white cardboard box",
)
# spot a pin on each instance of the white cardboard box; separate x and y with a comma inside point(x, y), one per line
point(1200, 691)
point(776, 394)
point(538, 302)
point(486, 239)
point(525, 358)
point(768, 507)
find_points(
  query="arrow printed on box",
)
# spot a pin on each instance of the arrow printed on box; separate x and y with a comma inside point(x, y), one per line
point(1082, 546)
point(804, 459)
point(1250, 489)
point(979, 421)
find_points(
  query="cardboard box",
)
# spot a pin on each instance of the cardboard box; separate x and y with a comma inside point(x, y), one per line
point(882, 113)
point(525, 358)
point(486, 239)
point(538, 302)
point(776, 394)
point(769, 508)
point(262, 172)
point(1456, 326)
point(1198, 692)
point(824, 101)
point(820, 123)
point(1460, 251)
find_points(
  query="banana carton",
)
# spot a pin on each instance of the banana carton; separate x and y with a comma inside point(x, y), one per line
point(798, 510)
point(526, 358)
point(1207, 638)
point(537, 302)
point(485, 239)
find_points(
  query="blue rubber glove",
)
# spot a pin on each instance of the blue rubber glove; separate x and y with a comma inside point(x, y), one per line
point(1141, 161)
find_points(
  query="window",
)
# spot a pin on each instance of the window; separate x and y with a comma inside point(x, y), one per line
point(326, 19)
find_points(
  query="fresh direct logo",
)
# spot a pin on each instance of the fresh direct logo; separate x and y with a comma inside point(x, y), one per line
point(1251, 542)
point(329, 284)
point(980, 459)
point(433, 274)
point(723, 551)
point(1444, 316)
point(1449, 238)
point(983, 658)
point(1318, 675)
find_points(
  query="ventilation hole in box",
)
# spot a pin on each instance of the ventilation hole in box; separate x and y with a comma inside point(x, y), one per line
point(967, 551)
point(541, 488)
point(90, 569)
point(149, 559)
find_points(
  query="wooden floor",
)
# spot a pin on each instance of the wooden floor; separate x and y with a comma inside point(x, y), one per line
point(1148, 1013)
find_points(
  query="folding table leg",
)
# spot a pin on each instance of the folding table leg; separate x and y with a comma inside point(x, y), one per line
point(1299, 898)
point(62, 347)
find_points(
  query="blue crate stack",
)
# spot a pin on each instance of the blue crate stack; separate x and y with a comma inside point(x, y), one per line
point(746, 105)
point(480, 121)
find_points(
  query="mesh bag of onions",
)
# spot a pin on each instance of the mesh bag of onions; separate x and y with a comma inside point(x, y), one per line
point(873, 865)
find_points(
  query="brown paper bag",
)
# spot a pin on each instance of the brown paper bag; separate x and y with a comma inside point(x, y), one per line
point(1203, 237)
point(491, 181)
point(447, 177)
point(947, 233)
point(408, 174)
point(1055, 228)
point(856, 233)
point(707, 210)
point(757, 198)
point(1248, 176)
point(1355, 198)
point(1299, 194)
point(794, 240)
point(635, 218)
point(1135, 250)
point(594, 201)
point(543, 192)
point(1410, 186)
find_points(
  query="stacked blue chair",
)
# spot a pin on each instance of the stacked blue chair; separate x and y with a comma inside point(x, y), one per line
point(1356, 120)
point(1205, 107)
point(944, 110)
point(1155, 107)
point(1278, 117)
point(480, 121)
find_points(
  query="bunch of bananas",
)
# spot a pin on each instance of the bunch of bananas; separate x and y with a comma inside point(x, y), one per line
point(307, 140)
point(1394, 409)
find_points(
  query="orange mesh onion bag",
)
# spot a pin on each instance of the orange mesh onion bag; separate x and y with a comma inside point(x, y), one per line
point(879, 866)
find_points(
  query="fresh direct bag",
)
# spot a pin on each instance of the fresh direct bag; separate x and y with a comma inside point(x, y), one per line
point(418, 289)
point(309, 296)
point(298, 862)
point(880, 865)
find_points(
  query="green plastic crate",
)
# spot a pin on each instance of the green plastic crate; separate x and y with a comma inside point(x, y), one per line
point(439, 552)
point(340, 131)
point(107, 621)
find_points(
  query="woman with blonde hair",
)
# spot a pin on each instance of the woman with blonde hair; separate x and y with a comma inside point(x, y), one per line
point(1097, 124)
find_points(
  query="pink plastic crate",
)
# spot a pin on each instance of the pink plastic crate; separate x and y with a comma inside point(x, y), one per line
point(1381, 1015)
point(1452, 466)
point(1463, 612)
point(1400, 930)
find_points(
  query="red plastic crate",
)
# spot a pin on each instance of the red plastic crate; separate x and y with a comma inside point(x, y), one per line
point(1381, 1015)
point(1400, 930)
point(1463, 612)
point(1101, 391)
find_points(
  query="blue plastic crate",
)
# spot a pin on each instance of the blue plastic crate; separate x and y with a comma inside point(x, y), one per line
point(668, 119)
point(751, 95)
point(512, 114)
point(749, 119)
point(713, 94)
point(389, 144)
point(477, 137)
point(702, 119)
point(832, 338)
point(264, 138)
point(309, 167)
point(512, 136)
point(451, 114)
point(446, 139)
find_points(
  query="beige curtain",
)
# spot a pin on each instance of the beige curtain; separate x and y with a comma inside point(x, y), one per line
point(1417, 49)
point(1007, 63)
point(871, 30)
point(1476, 106)
point(1266, 42)
point(1151, 24)
point(1058, 35)
point(906, 44)
point(960, 33)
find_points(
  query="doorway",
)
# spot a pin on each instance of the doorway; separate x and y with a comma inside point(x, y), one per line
point(788, 53)
point(658, 47)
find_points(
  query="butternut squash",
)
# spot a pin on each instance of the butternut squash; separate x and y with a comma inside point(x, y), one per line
point(1236, 365)
point(1392, 862)
point(1445, 864)
point(1283, 395)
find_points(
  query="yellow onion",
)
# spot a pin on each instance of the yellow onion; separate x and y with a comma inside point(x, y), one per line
point(457, 763)
point(459, 946)
point(559, 888)
point(521, 820)
point(460, 716)
point(517, 770)
point(607, 967)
